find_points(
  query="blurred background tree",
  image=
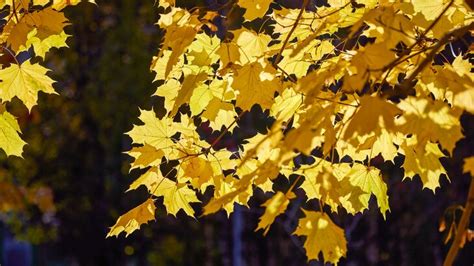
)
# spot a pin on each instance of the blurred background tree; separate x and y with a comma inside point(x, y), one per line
point(75, 148)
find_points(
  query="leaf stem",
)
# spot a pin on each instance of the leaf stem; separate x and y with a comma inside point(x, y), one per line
point(12, 54)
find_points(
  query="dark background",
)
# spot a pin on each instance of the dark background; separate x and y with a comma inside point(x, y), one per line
point(76, 143)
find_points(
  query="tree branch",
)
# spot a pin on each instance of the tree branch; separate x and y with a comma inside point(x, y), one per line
point(457, 33)
point(461, 228)
point(303, 8)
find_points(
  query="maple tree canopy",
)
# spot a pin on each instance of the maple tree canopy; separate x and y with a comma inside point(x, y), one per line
point(344, 83)
point(352, 79)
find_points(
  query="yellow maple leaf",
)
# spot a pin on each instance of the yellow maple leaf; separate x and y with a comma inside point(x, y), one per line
point(369, 179)
point(159, 64)
point(424, 161)
point(186, 90)
point(45, 22)
point(16, 34)
point(430, 121)
point(229, 53)
point(42, 46)
point(150, 179)
point(201, 96)
point(462, 66)
point(373, 114)
point(220, 114)
point(313, 130)
point(176, 196)
point(25, 81)
point(274, 206)
point(254, 8)
point(252, 45)
point(133, 219)
point(382, 143)
point(367, 62)
point(145, 156)
point(322, 236)
point(286, 104)
point(255, 86)
point(198, 170)
point(169, 91)
point(203, 49)
point(228, 193)
point(178, 39)
point(329, 183)
point(155, 132)
point(10, 140)
point(389, 26)
point(429, 8)
point(225, 196)
point(298, 61)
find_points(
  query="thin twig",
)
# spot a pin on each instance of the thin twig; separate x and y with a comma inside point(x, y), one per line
point(303, 8)
point(457, 33)
point(224, 132)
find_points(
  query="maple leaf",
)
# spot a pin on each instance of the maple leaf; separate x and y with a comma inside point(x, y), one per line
point(186, 91)
point(176, 196)
point(155, 132)
point(370, 181)
point(159, 65)
point(322, 236)
point(225, 196)
point(45, 22)
point(16, 34)
point(389, 27)
point(372, 115)
point(255, 86)
point(198, 169)
point(254, 8)
point(220, 114)
point(286, 104)
point(145, 156)
point(330, 184)
point(10, 140)
point(430, 121)
point(42, 46)
point(203, 50)
point(133, 219)
point(229, 195)
point(429, 8)
point(299, 59)
point(311, 132)
point(424, 161)
point(275, 206)
point(382, 143)
point(150, 179)
point(178, 38)
point(24, 82)
point(251, 44)
point(166, 3)
point(229, 53)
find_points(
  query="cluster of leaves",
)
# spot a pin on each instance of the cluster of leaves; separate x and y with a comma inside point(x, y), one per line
point(345, 82)
point(28, 30)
